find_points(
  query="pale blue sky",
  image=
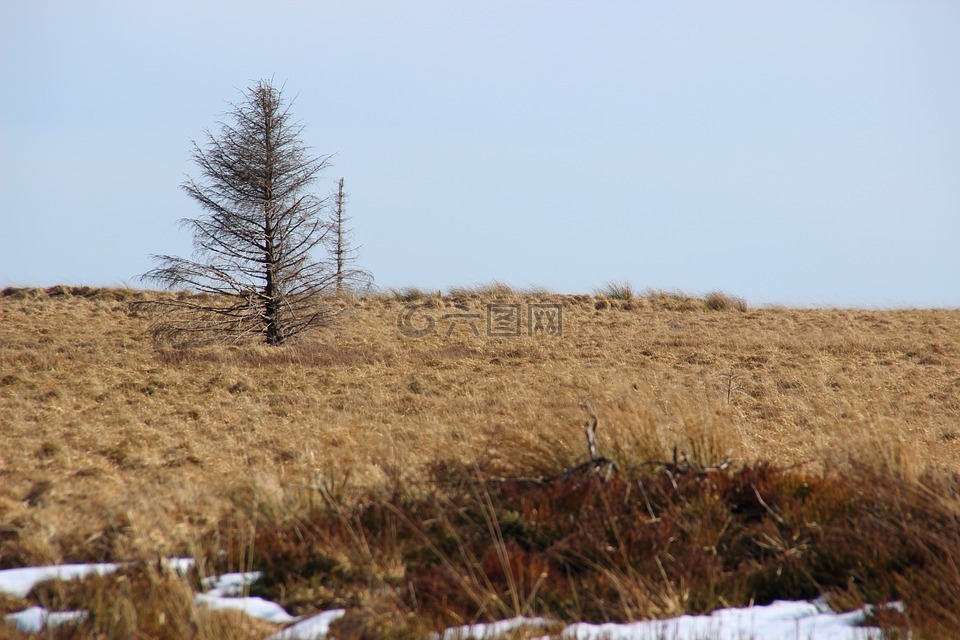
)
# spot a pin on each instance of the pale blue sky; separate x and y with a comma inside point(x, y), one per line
point(804, 153)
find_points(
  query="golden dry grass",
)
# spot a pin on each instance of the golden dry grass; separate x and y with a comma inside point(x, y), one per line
point(114, 447)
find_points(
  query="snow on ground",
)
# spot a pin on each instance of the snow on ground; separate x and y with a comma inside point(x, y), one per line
point(180, 565)
point(493, 629)
point(223, 591)
point(313, 628)
point(229, 584)
point(36, 619)
point(252, 606)
point(19, 582)
point(777, 621)
point(218, 594)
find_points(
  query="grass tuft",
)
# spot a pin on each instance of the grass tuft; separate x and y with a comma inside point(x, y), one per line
point(495, 289)
point(411, 294)
point(617, 290)
point(720, 301)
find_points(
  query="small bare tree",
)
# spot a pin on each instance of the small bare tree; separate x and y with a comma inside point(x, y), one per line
point(253, 245)
point(343, 254)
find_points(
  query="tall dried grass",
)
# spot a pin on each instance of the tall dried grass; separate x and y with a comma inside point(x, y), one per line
point(114, 447)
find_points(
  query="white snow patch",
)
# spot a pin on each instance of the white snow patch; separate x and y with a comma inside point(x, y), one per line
point(778, 621)
point(493, 629)
point(221, 592)
point(180, 565)
point(253, 607)
point(19, 582)
point(229, 584)
point(36, 619)
point(313, 628)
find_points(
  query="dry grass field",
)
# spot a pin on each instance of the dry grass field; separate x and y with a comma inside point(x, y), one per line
point(114, 447)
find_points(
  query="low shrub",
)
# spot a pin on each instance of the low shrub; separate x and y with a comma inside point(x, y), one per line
point(646, 542)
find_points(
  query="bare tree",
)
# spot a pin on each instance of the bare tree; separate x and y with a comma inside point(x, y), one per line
point(343, 254)
point(253, 244)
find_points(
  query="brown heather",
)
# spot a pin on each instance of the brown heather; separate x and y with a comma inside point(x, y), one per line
point(358, 467)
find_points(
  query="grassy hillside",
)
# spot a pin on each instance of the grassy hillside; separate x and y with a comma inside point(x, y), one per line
point(115, 447)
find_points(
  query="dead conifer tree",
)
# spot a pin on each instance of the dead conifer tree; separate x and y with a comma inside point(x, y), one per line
point(253, 244)
point(343, 253)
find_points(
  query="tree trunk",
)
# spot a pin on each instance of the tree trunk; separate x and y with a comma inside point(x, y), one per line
point(340, 250)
